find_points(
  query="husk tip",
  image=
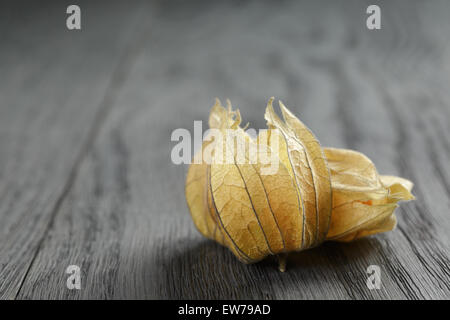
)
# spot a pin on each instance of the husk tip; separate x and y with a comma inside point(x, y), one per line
point(282, 259)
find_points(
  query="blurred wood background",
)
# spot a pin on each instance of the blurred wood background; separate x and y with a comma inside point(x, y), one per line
point(86, 118)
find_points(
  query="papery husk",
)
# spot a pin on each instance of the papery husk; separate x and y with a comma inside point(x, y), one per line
point(317, 194)
point(363, 201)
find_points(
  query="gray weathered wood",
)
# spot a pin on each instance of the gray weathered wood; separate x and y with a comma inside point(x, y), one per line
point(55, 87)
point(103, 194)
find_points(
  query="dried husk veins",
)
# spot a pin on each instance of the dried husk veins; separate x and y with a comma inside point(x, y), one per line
point(307, 201)
point(308, 168)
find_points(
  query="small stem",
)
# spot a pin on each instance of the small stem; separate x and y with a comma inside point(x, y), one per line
point(282, 262)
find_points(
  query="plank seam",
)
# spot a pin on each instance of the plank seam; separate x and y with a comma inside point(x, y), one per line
point(117, 80)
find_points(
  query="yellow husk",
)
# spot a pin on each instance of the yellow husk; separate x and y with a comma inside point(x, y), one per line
point(317, 194)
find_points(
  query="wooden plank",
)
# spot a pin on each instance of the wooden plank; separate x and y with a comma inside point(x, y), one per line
point(125, 222)
point(55, 87)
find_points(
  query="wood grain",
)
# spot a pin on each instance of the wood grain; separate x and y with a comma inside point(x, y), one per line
point(85, 169)
point(55, 88)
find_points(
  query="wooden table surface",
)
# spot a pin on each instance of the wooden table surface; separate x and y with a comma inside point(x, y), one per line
point(86, 118)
